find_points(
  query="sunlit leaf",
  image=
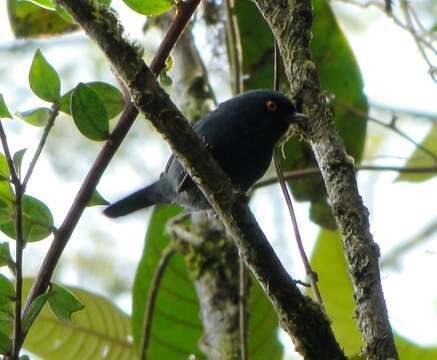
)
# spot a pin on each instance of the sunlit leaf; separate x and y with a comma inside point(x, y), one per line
point(421, 159)
point(37, 221)
point(28, 20)
point(89, 113)
point(150, 7)
point(4, 111)
point(99, 332)
point(18, 159)
point(97, 199)
point(37, 117)
point(45, 4)
point(63, 303)
point(176, 312)
point(43, 79)
point(110, 96)
point(4, 167)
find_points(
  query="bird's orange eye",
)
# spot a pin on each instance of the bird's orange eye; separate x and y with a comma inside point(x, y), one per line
point(271, 105)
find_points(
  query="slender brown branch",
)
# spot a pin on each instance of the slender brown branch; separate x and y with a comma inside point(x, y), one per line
point(19, 244)
point(166, 256)
point(312, 276)
point(85, 14)
point(53, 115)
point(242, 311)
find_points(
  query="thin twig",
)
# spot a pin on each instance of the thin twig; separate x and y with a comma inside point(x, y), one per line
point(312, 276)
point(53, 114)
point(235, 54)
point(392, 126)
point(166, 256)
point(19, 243)
point(304, 173)
point(234, 45)
point(185, 11)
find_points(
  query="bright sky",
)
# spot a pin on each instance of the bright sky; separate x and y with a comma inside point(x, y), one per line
point(394, 75)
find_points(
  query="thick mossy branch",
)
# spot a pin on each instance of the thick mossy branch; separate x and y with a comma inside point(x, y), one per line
point(291, 23)
point(299, 316)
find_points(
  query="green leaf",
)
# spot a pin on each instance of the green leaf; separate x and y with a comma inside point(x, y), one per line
point(4, 167)
point(18, 159)
point(34, 310)
point(339, 75)
point(327, 260)
point(100, 331)
point(37, 221)
point(43, 79)
point(28, 20)
point(63, 303)
point(37, 117)
point(110, 96)
point(45, 4)
point(24, 357)
point(150, 7)
point(5, 255)
point(5, 344)
point(6, 287)
point(421, 159)
point(97, 199)
point(4, 111)
point(89, 113)
point(176, 327)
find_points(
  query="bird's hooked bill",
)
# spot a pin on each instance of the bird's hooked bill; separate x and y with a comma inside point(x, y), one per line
point(297, 117)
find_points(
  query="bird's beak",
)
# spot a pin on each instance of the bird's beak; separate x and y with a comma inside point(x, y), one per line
point(297, 118)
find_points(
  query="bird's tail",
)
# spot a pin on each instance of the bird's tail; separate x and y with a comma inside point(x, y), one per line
point(140, 199)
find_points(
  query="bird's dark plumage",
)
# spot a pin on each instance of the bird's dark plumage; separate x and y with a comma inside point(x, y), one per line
point(241, 135)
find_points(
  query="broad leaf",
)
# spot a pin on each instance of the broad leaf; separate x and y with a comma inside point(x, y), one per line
point(37, 220)
point(176, 327)
point(28, 20)
point(5, 255)
point(45, 4)
point(4, 111)
point(34, 310)
point(37, 117)
point(99, 332)
point(89, 113)
point(5, 344)
point(6, 287)
point(150, 7)
point(43, 79)
point(328, 262)
point(110, 96)
point(421, 159)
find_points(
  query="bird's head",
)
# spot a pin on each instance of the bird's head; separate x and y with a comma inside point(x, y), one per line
point(267, 113)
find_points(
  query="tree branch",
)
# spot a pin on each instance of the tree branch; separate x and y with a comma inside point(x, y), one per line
point(291, 23)
point(299, 316)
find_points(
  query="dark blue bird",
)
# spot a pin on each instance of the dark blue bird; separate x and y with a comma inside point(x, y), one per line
point(241, 135)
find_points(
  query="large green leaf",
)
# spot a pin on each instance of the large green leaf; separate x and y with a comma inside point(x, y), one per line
point(335, 286)
point(176, 327)
point(420, 158)
point(28, 20)
point(99, 331)
point(150, 7)
point(43, 79)
point(339, 75)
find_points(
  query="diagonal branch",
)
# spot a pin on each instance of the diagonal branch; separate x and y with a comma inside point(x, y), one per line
point(291, 24)
point(300, 317)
